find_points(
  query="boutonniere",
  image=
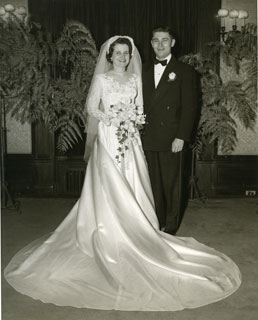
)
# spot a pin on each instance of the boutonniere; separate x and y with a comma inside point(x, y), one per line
point(172, 76)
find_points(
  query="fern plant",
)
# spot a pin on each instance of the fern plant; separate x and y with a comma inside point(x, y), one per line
point(77, 59)
point(224, 102)
point(47, 80)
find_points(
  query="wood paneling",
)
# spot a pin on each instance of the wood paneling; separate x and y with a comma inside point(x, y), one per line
point(70, 175)
point(19, 174)
point(43, 142)
point(44, 160)
point(44, 177)
point(228, 176)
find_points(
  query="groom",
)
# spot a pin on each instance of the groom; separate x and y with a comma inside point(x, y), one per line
point(170, 104)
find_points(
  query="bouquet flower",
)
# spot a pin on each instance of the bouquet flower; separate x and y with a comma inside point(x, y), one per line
point(128, 119)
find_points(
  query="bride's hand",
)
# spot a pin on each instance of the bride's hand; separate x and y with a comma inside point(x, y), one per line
point(115, 122)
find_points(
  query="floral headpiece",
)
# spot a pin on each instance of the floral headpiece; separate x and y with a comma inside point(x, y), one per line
point(114, 38)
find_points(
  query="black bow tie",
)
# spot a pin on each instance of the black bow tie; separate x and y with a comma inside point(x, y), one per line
point(162, 62)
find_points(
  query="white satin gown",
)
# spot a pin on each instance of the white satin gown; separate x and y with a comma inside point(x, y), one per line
point(109, 253)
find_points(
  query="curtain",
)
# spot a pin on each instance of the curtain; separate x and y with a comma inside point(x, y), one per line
point(192, 21)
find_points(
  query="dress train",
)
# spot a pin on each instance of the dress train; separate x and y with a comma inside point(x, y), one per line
point(109, 253)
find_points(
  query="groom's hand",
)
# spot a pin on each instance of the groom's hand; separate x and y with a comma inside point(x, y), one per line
point(177, 145)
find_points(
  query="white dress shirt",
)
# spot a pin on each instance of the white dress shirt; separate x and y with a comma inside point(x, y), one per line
point(159, 69)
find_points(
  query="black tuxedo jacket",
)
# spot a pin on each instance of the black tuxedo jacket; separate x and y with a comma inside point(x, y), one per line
point(170, 108)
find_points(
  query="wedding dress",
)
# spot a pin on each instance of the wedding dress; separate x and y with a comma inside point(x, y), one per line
point(109, 253)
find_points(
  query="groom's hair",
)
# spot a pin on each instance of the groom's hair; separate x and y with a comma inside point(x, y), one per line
point(163, 29)
point(121, 40)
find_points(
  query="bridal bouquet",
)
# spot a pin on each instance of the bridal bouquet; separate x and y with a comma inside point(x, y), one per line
point(128, 119)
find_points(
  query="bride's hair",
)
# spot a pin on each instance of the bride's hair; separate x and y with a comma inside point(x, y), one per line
point(120, 40)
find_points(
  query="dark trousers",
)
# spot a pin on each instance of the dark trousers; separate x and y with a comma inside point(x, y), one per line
point(166, 174)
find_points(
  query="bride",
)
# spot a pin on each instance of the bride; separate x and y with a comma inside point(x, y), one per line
point(109, 253)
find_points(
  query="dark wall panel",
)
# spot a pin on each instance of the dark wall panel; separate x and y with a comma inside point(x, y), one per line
point(193, 21)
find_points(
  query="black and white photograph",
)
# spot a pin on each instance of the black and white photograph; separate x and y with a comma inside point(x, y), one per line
point(129, 159)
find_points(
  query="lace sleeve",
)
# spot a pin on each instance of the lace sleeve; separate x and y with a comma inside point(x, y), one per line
point(93, 101)
point(139, 97)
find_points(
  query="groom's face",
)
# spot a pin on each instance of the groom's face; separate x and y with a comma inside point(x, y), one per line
point(162, 43)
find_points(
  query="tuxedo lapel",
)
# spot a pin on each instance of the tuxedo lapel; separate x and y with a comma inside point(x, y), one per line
point(163, 84)
point(149, 87)
point(150, 79)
